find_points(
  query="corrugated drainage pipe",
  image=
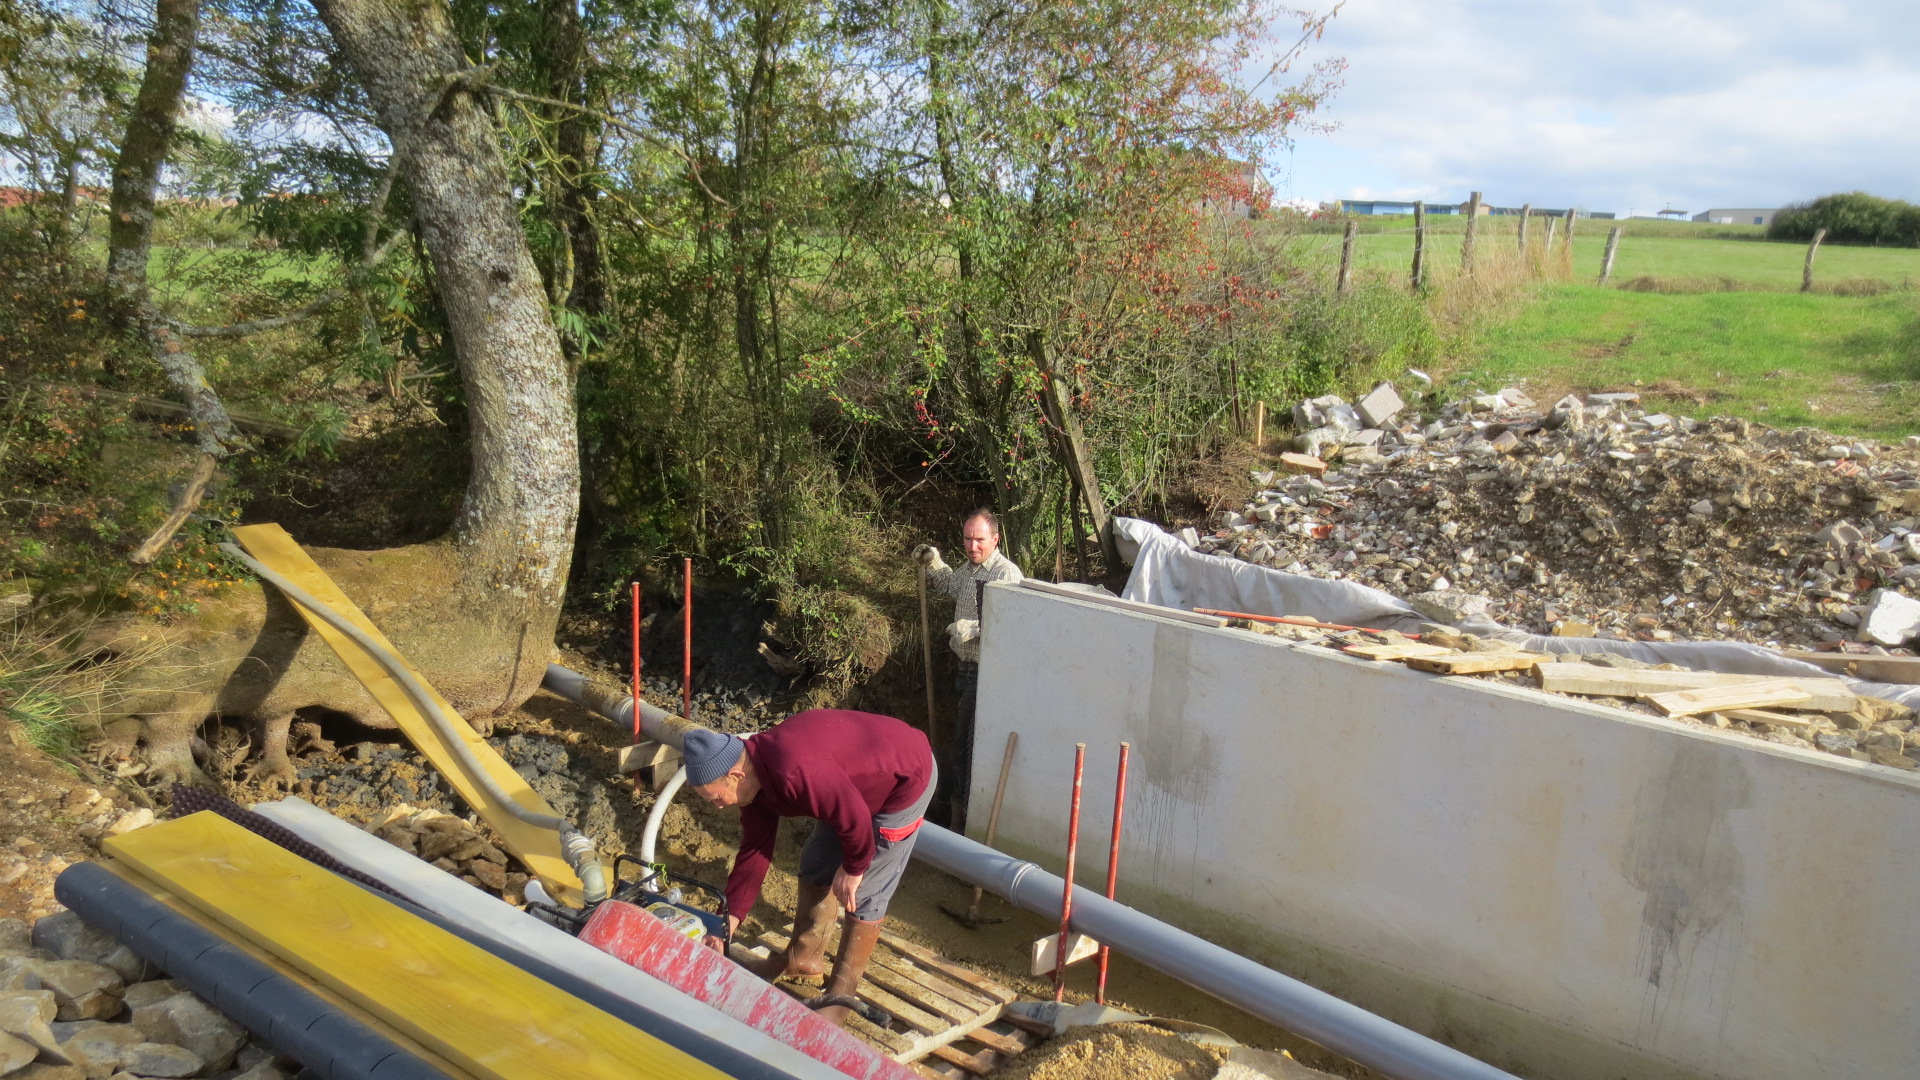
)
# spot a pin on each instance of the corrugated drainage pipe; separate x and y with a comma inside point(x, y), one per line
point(291, 1017)
point(1340, 1026)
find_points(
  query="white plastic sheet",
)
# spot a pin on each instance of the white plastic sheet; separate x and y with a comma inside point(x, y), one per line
point(1168, 572)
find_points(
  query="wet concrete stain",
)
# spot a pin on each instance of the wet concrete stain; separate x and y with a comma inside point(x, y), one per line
point(1681, 855)
point(1177, 758)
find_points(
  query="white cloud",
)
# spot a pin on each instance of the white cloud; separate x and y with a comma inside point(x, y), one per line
point(1625, 105)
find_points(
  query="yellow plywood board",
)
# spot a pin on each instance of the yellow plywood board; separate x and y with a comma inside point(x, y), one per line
point(473, 1008)
point(538, 848)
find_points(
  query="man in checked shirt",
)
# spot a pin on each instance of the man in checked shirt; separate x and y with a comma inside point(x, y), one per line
point(980, 540)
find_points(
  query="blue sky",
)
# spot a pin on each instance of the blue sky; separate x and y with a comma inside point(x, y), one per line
point(1624, 106)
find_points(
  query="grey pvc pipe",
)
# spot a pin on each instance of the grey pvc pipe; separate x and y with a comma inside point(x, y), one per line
point(616, 705)
point(1338, 1025)
point(577, 847)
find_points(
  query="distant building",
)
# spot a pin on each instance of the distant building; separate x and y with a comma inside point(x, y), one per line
point(1388, 206)
point(1242, 192)
point(1738, 216)
point(1671, 214)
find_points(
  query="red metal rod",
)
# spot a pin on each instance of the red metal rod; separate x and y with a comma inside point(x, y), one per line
point(1113, 859)
point(1293, 620)
point(686, 647)
point(1066, 892)
point(636, 677)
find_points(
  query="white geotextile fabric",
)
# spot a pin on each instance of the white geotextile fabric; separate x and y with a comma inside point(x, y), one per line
point(1171, 574)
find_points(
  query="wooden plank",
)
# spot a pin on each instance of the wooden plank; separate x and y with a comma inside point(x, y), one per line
point(538, 848)
point(1397, 651)
point(280, 967)
point(926, 1043)
point(1825, 695)
point(1035, 1028)
point(1047, 949)
point(1007, 1045)
point(1754, 695)
point(644, 754)
point(904, 1012)
point(1869, 666)
point(1302, 464)
point(970, 999)
point(1767, 716)
point(934, 962)
point(951, 1012)
point(894, 1043)
point(485, 1015)
point(978, 1064)
point(1475, 663)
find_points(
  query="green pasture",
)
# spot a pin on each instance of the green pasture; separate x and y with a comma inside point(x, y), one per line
point(1848, 364)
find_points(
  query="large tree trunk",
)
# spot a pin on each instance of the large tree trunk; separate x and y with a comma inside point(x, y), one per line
point(514, 535)
point(476, 611)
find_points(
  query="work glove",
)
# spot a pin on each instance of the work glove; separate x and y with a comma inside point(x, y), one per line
point(926, 555)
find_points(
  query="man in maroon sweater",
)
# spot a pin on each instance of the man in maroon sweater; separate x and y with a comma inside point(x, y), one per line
point(866, 780)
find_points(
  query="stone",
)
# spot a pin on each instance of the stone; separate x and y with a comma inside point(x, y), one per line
point(1190, 537)
point(15, 1053)
point(1303, 465)
point(1840, 535)
point(103, 1044)
point(1365, 437)
point(1703, 508)
point(160, 1060)
point(142, 994)
point(85, 991)
point(1835, 743)
point(50, 1071)
point(1342, 418)
point(492, 876)
point(185, 1020)
point(1307, 416)
point(1614, 399)
point(28, 1015)
point(133, 819)
point(1448, 605)
point(1486, 403)
point(15, 937)
point(265, 1070)
point(1506, 442)
point(1564, 628)
point(1516, 398)
point(1892, 618)
point(1381, 404)
point(67, 937)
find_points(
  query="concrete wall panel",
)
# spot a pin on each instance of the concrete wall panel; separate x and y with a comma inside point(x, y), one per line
point(1562, 888)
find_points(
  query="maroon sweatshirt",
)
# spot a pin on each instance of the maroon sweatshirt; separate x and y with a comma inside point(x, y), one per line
point(837, 766)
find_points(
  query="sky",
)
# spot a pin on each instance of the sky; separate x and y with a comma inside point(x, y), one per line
point(1626, 105)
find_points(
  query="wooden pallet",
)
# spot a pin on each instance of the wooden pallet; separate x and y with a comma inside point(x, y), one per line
point(948, 1022)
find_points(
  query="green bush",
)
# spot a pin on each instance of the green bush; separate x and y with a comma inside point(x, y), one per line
point(1851, 218)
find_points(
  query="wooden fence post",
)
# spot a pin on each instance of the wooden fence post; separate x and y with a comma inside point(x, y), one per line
point(1346, 258)
point(1806, 275)
point(1546, 244)
point(1473, 223)
point(1606, 261)
point(1526, 211)
point(1566, 246)
point(1419, 245)
point(1259, 424)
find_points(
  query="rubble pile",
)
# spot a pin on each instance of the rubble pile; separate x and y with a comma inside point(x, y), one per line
point(77, 1005)
point(1595, 517)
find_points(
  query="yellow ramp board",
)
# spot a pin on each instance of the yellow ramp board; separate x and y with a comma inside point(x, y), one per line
point(475, 1009)
point(538, 848)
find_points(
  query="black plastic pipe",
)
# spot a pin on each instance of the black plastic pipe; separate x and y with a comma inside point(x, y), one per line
point(292, 1018)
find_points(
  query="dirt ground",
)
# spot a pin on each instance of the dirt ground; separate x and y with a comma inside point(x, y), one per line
point(1115, 1050)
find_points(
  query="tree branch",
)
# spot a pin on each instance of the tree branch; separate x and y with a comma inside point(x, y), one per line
point(203, 469)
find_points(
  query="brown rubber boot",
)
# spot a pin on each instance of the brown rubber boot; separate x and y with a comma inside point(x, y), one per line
point(806, 953)
point(857, 939)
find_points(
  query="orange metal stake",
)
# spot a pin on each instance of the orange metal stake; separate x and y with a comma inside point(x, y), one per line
point(636, 677)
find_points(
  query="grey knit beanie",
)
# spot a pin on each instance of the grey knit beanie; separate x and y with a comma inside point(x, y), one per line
point(709, 754)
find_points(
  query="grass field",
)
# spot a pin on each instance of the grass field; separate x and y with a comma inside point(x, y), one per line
point(1849, 364)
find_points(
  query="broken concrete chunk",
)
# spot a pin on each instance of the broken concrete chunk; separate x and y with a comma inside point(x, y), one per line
point(1570, 628)
point(1615, 399)
point(1380, 405)
point(1516, 397)
point(1305, 464)
point(1892, 618)
point(1449, 606)
point(1190, 537)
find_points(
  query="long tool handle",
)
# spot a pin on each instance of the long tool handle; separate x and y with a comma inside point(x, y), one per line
point(686, 645)
point(1113, 858)
point(993, 816)
point(926, 653)
point(1066, 890)
point(636, 677)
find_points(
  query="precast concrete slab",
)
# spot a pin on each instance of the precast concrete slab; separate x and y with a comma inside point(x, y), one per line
point(1563, 889)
